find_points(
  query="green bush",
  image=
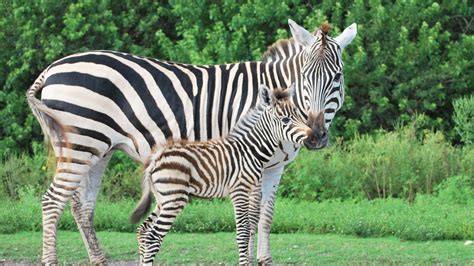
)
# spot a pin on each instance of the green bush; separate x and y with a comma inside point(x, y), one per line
point(400, 164)
point(464, 118)
point(459, 189)
point(20, 171)
point(416, 63)
point(394, 164)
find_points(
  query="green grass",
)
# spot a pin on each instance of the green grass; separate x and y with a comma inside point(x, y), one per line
point(428, 218)
point(221, 247)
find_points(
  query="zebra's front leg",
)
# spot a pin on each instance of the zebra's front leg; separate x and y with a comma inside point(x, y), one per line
point(254, 215)
point(270, 180)
point(83, 205)
point(240, 201)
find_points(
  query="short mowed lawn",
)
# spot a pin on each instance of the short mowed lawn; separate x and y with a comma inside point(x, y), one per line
point(222, 248)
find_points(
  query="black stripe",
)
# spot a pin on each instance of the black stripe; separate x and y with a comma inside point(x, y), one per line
point(220, 111)
point(210, 100)
point(245, 86)
point(197, 102)
point(92, 134)
point(78, 147)
point(105, 88)
point(135, 80)
point(85, 112)
point(166, 87)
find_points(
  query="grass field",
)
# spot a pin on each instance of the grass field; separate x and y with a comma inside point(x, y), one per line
point(221, 248)
point(428, 218)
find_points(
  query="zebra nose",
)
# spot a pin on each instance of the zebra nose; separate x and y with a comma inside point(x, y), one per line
point(318, 138)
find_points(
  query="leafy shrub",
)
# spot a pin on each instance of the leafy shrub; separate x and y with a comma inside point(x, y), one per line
point(122, 178)
point(459, 189)
point(417, 63)
point(464, 118)
point(393, 164)
point(35, 171)
point(399, 164)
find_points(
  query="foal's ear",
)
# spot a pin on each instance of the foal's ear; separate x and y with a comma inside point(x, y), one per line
point(264, 94)
point(291, 91)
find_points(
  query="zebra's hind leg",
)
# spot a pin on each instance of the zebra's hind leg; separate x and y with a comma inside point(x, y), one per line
point(240, 200)
point(67, 179)
point(254, 215)
point(83, 205)
point(151, 233)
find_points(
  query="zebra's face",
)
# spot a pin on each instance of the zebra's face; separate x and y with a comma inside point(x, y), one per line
point(285, 121)
point(321, 87)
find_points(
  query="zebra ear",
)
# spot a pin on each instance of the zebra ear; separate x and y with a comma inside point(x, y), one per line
point(346, 37)
point(300, 34)
point(264, 94)
point(291, 91)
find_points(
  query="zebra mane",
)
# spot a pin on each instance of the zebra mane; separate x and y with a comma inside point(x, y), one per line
point(282, 47)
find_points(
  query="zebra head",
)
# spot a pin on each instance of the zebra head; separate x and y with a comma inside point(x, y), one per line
point(321, 82)
point(285, 121)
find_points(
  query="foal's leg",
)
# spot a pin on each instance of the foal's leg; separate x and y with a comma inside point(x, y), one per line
point(240, 200)
point(254, 215)
point(151, 233)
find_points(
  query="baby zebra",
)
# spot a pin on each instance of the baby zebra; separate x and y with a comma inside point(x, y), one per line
point(230, 166)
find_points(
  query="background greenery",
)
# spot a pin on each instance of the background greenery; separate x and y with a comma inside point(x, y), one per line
point(409, 57)
point(402, 150)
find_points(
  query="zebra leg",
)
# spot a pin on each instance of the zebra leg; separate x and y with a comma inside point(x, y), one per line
point(83, 205)
point(254, 214)
point(151, 233)
point(240, 200)
point(270, 181)
point(67, 179)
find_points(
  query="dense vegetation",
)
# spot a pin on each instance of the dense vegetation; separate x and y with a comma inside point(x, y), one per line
point(397, 164)
point(406, 128)
point(409, 56)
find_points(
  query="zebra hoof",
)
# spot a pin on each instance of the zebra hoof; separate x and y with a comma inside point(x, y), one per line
point(99, 261)
point(265, 261)
point(49, 262)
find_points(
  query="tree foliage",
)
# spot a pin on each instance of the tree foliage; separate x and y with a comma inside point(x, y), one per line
point(409, 56)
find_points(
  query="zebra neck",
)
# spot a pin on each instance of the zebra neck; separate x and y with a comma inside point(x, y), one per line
point(281, 72)
point(255, 140)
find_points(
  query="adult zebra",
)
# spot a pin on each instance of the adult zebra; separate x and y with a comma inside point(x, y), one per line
point(97, 102)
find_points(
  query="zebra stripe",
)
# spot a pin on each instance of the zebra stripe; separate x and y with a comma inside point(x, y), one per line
point(231, 166)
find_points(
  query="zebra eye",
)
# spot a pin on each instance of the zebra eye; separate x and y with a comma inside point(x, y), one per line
point(285, 120)
point(337, 77)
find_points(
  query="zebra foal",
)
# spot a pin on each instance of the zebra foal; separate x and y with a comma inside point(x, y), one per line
point(231, 166)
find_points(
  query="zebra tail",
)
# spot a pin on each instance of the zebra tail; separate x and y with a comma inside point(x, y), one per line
point(144, 204)
point(52, 129)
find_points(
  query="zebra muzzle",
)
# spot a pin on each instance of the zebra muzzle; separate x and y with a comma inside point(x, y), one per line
point(319, 136)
